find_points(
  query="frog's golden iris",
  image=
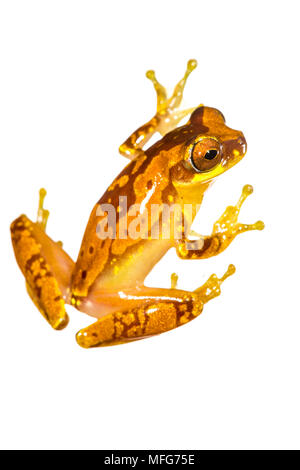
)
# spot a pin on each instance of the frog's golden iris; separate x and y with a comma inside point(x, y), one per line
point(205, 154)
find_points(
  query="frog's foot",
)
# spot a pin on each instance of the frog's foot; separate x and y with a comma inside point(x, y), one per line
point(166, 118)
point(167, 113)
point(46, 267)
point(227, 226)
point(212, 287)
point(225, 229)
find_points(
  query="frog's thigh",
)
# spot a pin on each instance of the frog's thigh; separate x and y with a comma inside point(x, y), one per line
point(140, 322)
point(46, 267)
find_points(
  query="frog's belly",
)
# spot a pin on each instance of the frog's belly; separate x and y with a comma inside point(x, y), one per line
point(131, 268)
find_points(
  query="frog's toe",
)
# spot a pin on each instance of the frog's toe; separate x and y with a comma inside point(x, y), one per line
point(212, 287)
point(259, 225)
point(42, 214)
point(174, 280)
point(160, 90)
point(176, 98)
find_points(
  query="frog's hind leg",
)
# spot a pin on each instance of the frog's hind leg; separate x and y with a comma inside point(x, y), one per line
point(166, 118)
point(157, 311)
point(45, 265)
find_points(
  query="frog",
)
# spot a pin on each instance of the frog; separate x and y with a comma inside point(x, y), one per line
point(107, 281)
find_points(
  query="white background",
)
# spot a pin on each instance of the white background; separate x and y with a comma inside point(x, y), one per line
point(72, 88)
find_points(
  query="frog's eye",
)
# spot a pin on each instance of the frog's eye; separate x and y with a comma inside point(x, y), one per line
point(205, 154)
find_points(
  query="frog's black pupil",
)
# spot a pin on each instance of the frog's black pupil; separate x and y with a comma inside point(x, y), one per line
point(211, 154)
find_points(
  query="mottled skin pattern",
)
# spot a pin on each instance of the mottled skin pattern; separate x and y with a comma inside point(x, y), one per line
point(42, 285)
point(107, 280)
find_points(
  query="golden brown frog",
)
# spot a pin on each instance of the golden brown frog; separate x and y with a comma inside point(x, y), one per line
point(152, 205)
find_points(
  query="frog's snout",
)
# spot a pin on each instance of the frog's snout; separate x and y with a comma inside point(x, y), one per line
point(234, 150)
point(237, 148)
point(242, 144)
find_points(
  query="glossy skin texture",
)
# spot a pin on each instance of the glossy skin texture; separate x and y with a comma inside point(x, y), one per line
point(107, 280)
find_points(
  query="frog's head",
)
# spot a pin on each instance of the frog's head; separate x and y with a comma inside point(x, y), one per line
point(205, 148)
point(216, 146)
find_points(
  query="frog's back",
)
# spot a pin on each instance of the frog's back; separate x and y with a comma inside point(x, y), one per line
point(108, 256)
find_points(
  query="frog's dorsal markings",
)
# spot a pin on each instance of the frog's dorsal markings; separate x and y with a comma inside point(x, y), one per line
point(122, 181)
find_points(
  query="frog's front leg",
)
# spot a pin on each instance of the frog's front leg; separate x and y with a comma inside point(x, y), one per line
point(166, 118)
point(45, 265)
point(156, 311)
point(224, 231)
